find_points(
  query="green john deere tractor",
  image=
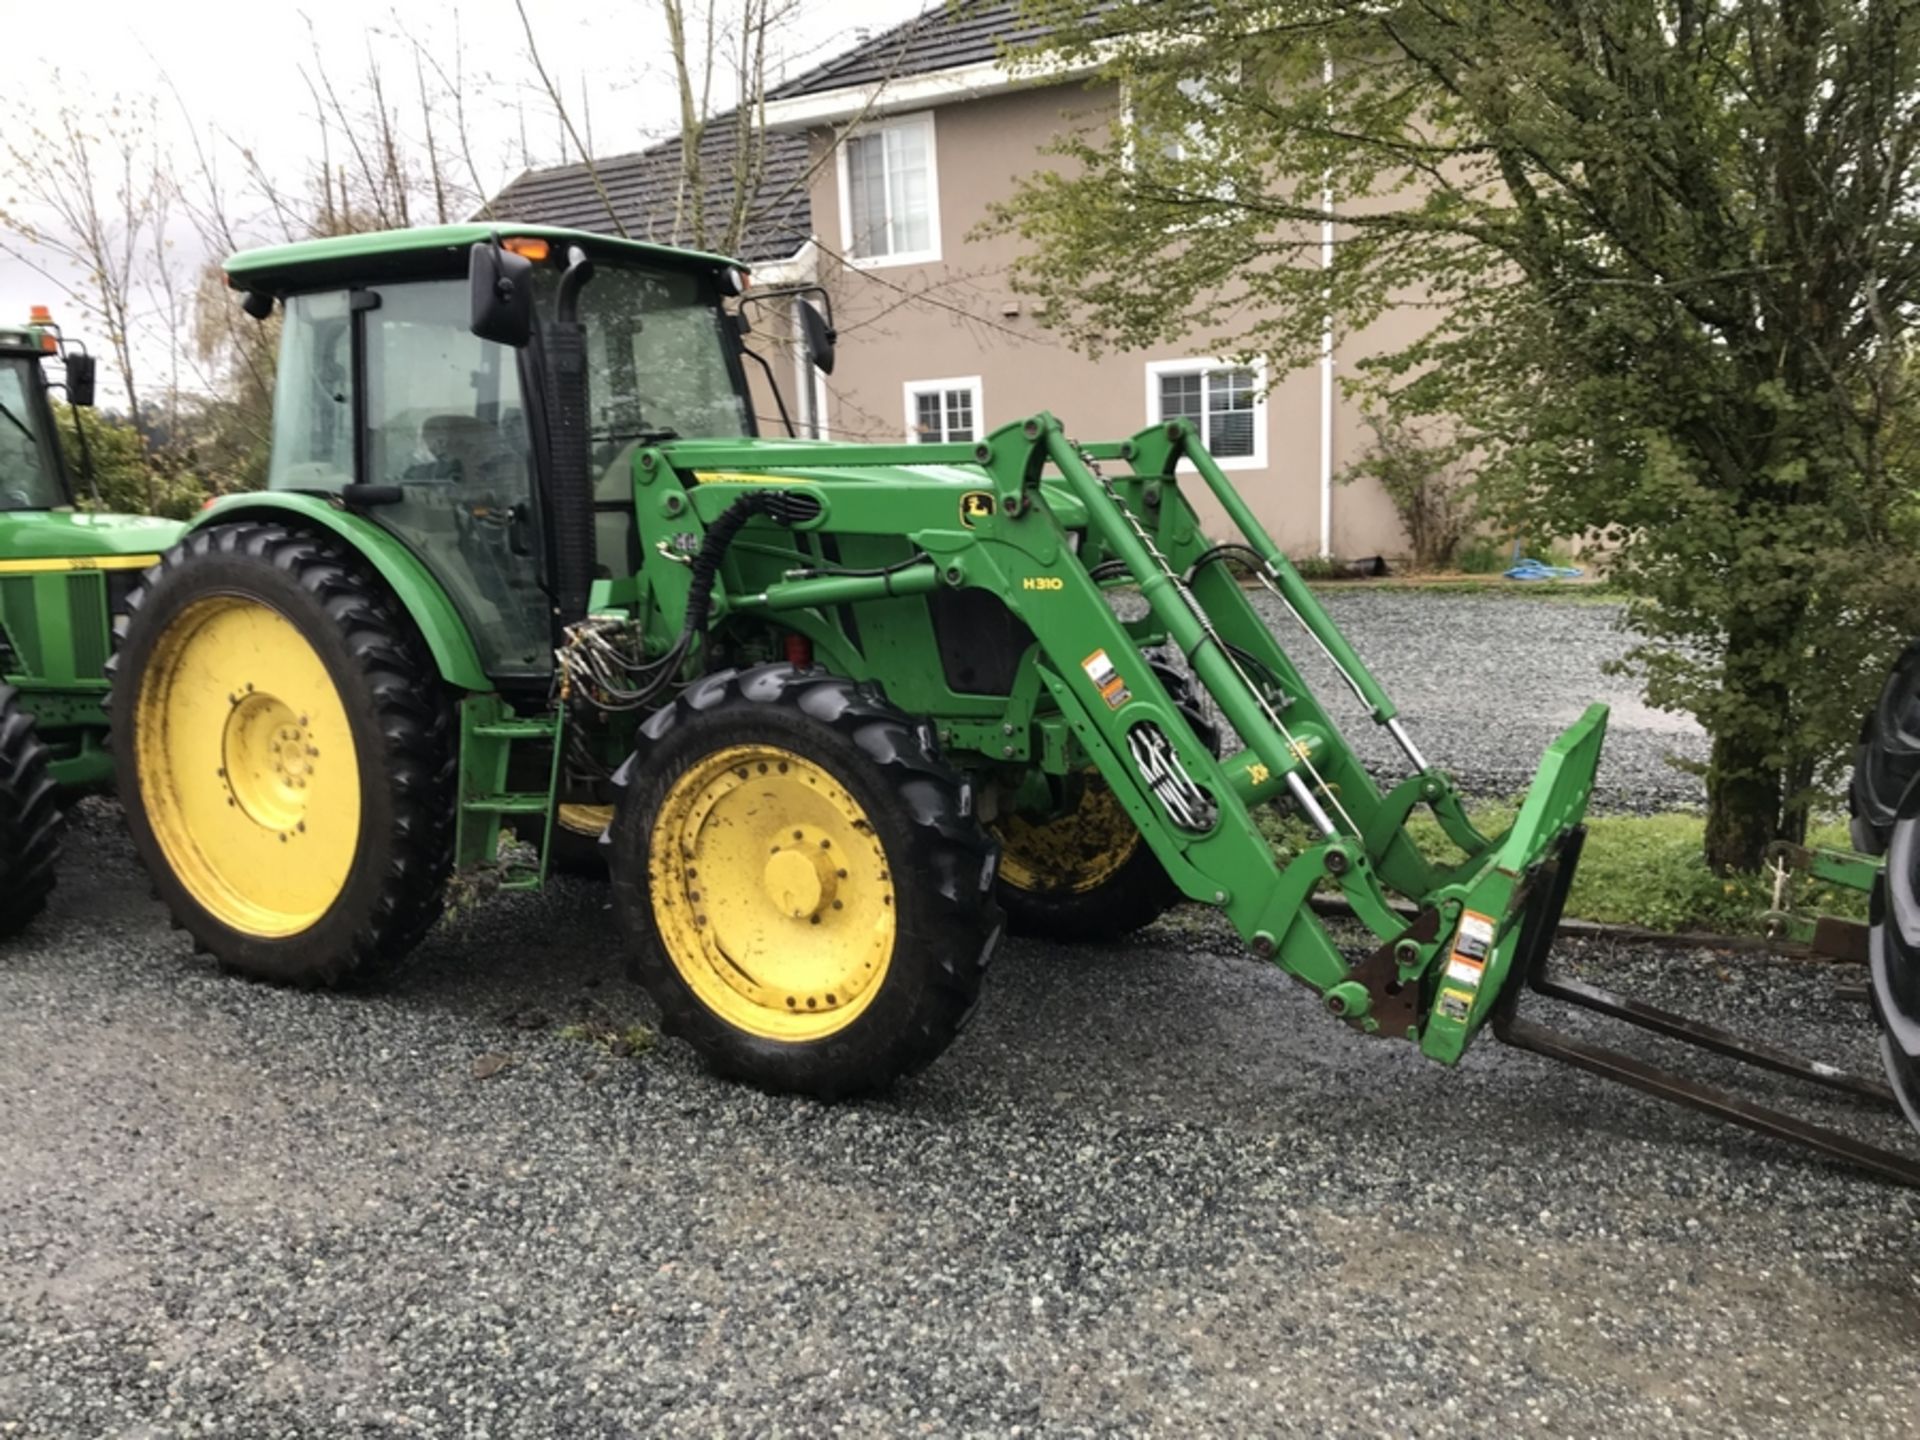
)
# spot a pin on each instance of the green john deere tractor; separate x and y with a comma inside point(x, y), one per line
point(61, 573)
point(844, 711)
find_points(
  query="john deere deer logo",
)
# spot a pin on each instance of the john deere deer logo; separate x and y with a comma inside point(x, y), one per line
point(975, 504)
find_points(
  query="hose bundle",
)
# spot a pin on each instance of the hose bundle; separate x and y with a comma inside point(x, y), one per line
point(604, 661)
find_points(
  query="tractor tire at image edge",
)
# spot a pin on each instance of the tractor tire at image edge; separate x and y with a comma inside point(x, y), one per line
point(29, 818)
point(1887, 757)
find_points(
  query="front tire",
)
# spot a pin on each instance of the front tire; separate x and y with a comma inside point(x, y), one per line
point(806, 894)
point(29, 818)
point(285, 754)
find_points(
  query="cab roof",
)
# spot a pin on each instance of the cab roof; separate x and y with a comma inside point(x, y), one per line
point(22, 338)
point(432, 249)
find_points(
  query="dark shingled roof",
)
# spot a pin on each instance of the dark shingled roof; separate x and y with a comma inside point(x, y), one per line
point(940, 39)
point(643, 186)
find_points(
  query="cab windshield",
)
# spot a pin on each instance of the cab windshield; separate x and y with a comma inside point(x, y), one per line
point(29, 479)
point(657, 361)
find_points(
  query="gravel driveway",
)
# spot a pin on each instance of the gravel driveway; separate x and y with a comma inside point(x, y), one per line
point(1151, 1191)
point(1485, 683)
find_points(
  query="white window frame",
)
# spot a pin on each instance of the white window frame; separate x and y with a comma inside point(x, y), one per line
point(1258, 459)
point(924, 120)
point(1129, 156)
point(914, 388)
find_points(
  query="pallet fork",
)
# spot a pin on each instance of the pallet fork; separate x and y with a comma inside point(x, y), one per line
point(1550, 885)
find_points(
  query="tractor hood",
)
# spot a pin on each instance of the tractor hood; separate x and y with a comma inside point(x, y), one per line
point(45, 539)
point(794, 462)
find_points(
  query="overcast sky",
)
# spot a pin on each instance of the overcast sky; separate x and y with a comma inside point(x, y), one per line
point(237, 70)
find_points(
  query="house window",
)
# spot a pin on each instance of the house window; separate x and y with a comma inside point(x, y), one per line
point(1190, 139)
point(943, 411)
point(889, 196)
point(1227, 402)
point(1179, 154)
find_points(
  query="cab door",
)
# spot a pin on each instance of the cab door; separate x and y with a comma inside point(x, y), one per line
point(444, 423)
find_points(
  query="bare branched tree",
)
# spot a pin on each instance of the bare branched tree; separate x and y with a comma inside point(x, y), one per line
point(565, 119)
point(80, 208)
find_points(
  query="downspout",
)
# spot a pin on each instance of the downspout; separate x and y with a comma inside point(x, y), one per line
point(800, 268)
point(1326, 343)
point(803, 390)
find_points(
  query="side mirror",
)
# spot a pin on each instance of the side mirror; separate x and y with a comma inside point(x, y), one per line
point(500, 294)
point(80, 380)
point(820, 337)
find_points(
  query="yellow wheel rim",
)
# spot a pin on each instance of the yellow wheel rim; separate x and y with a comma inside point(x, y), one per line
point(247, 767)
point(584, 819)
point(771, 893)
point(1070, 853)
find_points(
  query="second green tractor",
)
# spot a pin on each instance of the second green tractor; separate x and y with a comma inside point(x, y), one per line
point(63, 570)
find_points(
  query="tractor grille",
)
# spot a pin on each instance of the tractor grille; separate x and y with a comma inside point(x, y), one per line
point(85, 623)
point(21, 616)
point(87, 605)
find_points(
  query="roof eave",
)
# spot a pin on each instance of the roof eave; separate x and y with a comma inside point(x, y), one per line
point(915, 92)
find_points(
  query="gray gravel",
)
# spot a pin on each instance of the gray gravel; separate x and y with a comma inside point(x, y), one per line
point(1151, 1191)
point(1485, 683)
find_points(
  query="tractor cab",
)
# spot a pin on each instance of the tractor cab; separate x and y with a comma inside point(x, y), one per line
point(389, 402)
point(33, 473)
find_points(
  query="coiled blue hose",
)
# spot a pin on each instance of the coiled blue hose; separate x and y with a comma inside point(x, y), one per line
point(1531, 569)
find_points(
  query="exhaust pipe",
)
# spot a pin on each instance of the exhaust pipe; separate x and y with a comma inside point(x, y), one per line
point(570, 505)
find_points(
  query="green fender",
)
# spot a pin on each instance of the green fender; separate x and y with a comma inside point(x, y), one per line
point(411, 582)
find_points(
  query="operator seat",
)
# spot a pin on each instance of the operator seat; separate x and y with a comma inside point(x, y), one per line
point(461, 447)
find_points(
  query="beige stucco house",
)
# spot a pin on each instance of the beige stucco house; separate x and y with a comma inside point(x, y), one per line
point(882, 163)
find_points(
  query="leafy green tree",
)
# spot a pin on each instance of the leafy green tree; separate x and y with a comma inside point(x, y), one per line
point(127, 474)
point(1670, 252)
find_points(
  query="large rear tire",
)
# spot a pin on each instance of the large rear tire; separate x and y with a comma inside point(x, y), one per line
point(29, 818)
point(1085, 872)
point(1888, 756)
point(806, 894)
point(285, 753)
